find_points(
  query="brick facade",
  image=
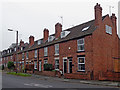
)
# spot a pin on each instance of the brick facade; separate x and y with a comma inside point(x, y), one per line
point(101, 51)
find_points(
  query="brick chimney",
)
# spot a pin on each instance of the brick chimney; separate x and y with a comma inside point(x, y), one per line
point(46, 34)
point(113, 18)
point(31, 40)
point(58, 30)
point(98, 14)
point(21, 43)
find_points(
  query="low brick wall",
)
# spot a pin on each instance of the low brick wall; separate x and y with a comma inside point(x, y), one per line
point(77, 76)
point(112, 76)
point(46, 73)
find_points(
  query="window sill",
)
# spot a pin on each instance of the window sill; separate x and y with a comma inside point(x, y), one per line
point(80, 51)
point(56, 54)
point(45, 56)
point(81, 71)
point(57, 69)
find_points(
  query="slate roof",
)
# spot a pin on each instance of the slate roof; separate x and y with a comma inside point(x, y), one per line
point(75, 32)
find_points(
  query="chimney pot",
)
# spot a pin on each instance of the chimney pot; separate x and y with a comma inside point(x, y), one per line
point(45, 34)
point(21, 43)
point(58, 30)
point(98, 14)
point(31, 40)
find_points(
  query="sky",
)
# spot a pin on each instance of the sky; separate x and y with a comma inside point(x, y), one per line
point(30, 17)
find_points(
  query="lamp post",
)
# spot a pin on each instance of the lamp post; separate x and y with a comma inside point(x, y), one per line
point(16, 48)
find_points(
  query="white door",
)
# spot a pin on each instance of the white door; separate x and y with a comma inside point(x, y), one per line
point(40, 69)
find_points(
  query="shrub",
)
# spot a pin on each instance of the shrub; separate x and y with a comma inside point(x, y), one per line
point(10, 65)
point(48, 67)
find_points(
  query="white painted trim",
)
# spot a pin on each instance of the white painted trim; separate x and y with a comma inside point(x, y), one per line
point(56, 58)
point(63, 63)
point(64, 57)
point(40, 63)
point(69, 65)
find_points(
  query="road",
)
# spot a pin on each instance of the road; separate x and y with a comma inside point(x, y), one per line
point(12, 81)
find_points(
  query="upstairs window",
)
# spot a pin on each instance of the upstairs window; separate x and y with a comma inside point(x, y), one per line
point(85, 29)
point(80, 44)
point(56, 49)
point(64, 33)
point(39, 42)
point(50, 38)
point(35, 53)
point(8, 51)
point(108, 29)
point(45, 51)
point(22, 56)
point(27, 55)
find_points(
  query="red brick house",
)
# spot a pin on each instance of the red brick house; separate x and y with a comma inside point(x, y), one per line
point(86, 51)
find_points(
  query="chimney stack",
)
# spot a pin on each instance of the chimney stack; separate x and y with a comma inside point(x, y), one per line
point(46, 35)
point(58, 30)
point(113, 18)
point(31, 40)
point(98, 14)
point(21, 43)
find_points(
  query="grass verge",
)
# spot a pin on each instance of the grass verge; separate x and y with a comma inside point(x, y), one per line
point(19, 74)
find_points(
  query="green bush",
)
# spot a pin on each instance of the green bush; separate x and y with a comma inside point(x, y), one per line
point(48, 67)
point(10, 65)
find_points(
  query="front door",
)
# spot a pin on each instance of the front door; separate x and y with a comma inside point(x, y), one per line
point(70, 65)
point(64, 66)
point(40, 69)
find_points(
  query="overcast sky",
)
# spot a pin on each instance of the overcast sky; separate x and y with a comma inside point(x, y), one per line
point(30, 17)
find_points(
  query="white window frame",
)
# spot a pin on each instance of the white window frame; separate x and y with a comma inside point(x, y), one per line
point(50, 38)
point(108, 29)
point(78, 44)
point(64, 33)
point(81, 63)
point(35, 53)
point(35, 64)
point(56, 49)
point(27, 55)
point(56, 63)
point(23, 56)
point(39, 42)
point(45, 51)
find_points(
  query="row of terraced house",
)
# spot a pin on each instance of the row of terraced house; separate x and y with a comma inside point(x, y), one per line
point(86, 51)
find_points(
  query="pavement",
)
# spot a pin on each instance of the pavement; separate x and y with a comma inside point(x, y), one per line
point(91, 82)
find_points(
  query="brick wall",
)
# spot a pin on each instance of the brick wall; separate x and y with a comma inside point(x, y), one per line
point(105, 47)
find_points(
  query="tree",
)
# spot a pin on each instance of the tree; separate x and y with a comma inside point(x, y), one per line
point(10, 65)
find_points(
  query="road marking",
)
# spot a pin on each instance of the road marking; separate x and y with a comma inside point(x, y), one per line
point(38, 85)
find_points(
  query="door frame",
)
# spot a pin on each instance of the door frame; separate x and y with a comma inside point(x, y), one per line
point(63, 63)
point(69, 60)
point(39, 65)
